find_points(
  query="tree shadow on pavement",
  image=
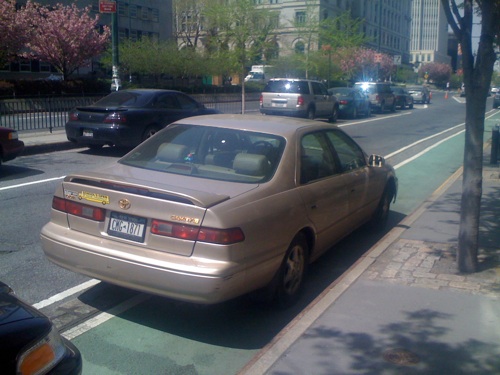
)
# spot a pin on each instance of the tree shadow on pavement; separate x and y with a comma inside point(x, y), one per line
point(421, 339)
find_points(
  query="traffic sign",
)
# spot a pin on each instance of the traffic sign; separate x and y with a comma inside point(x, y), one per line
point(397, 59)
point(107, 6)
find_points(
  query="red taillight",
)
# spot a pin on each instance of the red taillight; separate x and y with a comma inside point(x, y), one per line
point(115, 117)
point(78, 209)
point(73, 116)
point(300, 101)
point(261, 100)
point(343, 102)
point(192, 233)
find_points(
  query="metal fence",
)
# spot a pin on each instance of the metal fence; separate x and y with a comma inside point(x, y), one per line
point(50, 113)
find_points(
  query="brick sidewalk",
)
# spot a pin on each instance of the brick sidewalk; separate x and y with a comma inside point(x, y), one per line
point(433, 265)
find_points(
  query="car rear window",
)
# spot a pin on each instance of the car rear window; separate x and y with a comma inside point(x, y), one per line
point(123, 99)
point(211, 153)
point(290, 87)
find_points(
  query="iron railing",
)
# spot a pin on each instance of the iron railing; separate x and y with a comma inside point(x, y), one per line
point(50, 113)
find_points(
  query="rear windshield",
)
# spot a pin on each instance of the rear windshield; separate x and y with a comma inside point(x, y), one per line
point(211, 153)
point(290, 87)
point(123, 99)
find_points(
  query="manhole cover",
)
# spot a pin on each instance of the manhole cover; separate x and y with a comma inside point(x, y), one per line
point(401, 357)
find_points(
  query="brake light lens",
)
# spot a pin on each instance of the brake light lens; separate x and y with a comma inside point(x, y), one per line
point(73, 116)
point(343, 102)
point(300, 101)
point(79, 209)
point(13, 136)
point(192, 233)
point(261, 100)
point(115, 117)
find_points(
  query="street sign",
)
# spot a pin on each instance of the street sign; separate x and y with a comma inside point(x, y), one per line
point(397, 59)
point(107, 6)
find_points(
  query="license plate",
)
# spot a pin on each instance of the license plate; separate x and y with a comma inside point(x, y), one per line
point(88, 133)
point(126, 226)
point(280, 105)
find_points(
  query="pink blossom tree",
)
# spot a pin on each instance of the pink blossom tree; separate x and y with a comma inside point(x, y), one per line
point(439, 73)
point(365, 64)
point(13, 31)
point(65, 36)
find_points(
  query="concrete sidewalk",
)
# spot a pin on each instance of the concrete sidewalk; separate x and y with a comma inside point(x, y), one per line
point(402, 308)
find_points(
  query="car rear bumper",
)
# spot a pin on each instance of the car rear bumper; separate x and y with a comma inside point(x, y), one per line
point(11, 150)
point(284, 112)
point(102, 135)
point(79, 253)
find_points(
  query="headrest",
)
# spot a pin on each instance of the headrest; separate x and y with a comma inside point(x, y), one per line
point(251, 164)
point(171, 152)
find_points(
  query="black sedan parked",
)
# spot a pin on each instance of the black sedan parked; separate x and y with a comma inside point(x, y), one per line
point(403, 97)
point(126, 118)
point(352, 102)
point(29, 342)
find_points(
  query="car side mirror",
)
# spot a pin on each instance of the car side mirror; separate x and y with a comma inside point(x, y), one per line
point(376, 161)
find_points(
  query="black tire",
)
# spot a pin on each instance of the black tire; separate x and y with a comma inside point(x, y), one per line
point(311, 113)
point(411, 105)
point(379, 220)
point(354, 113)
point(289, 280)
point(149, 132)
point(393, 107)
point(382, 107)
point(335, 114)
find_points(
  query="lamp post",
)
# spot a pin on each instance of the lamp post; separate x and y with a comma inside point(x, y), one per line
point(108, 6)
point(328, 48)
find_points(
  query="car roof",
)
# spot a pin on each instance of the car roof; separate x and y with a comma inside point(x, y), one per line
point(148, 91)
point(278, 125)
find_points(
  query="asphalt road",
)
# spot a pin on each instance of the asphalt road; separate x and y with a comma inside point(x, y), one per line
point(123, 332)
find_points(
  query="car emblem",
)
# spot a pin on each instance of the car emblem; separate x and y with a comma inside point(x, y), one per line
point(124, 204)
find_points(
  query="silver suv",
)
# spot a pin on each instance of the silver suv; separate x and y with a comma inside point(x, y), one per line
point(380, 95)
point(298, 97)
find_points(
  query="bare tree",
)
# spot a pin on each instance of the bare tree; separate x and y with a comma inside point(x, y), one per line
point(478, 70)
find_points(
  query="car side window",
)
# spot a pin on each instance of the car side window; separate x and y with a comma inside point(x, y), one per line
point(316, 158)
point(319, 89)
point(350, 155)
point(165, 101)
point(186, 103)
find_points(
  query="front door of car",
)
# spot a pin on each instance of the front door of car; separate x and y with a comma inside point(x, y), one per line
point(361, 195)
point(322, 188)
point(322, 98)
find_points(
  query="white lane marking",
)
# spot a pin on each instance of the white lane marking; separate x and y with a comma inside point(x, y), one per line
point(31, 183)
point(423, 140)
point(427, 150)
point(370, 119)
point(105, 316)
point(66, 293)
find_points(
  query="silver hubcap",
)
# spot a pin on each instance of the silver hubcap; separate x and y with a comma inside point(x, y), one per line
point(294, 270)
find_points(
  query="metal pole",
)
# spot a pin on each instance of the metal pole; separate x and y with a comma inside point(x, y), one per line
point(495, 139)
point(115, 80)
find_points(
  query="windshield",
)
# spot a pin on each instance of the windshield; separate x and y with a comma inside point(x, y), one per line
point(210, 152)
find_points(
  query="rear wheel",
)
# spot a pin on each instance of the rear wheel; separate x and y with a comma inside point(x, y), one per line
point(290, 277)
point(354, 113)
point(335, 114)
point(149, 132)
point(311, 113)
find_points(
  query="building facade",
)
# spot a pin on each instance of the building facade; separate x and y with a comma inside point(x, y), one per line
point(429, 33)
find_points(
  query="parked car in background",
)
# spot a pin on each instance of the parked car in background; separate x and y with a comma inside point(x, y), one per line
point(126, 118)
point(380, 95)
point(213, 207)
point(496, 99)
point(29, 342)
point(352, 102)
point(298, 97)
point(10, 145)
point(403, 97)
point(420, 94)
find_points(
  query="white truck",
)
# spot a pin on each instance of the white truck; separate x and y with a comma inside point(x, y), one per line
point(259, 73)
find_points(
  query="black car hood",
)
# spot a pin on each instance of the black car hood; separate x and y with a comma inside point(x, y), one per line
point(13, 310)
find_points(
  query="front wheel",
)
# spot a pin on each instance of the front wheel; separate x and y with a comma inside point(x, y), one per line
point(335, 115)
point(290, 277)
